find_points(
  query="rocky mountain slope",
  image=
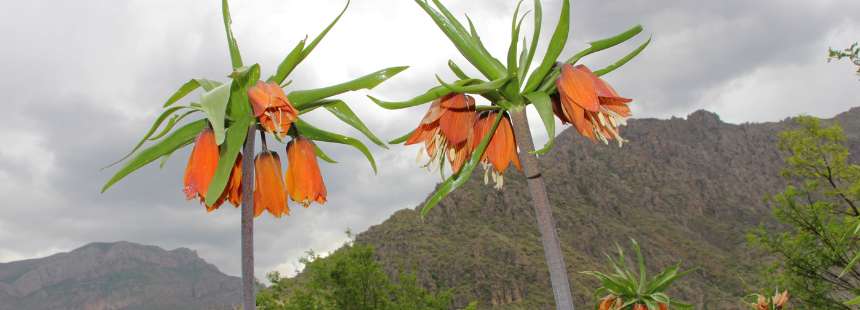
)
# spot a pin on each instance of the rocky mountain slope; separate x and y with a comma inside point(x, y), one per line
point(118, 275)
point(687, 189)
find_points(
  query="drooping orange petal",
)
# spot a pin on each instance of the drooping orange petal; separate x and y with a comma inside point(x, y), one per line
point(576, 86)
point(303, 178)
point(502, 148)
point(234, 187)
point(269, 193)
point(610, 99)
point(458, 118)
point(423, 133)
point(264, 96)
point(558, 111)
point(576, 115)
point(509, 151)
point(201, 165)
point(272, 107)
point(482, 126)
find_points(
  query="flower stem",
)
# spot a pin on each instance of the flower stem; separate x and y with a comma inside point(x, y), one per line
point(543, 213)
point(248, 298)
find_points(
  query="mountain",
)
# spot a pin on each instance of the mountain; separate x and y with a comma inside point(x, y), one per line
point(687, 189)
point(119, 275)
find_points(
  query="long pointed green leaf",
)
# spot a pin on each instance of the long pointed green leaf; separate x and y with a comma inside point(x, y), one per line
point(623, 60)
point(322, 34)
point(515, 39)
point(596, 46)
point(461, 40)
point(188, 87)
point(853, 301)
point(288, 64)
point(402, 138)
point(483, 49)
point(171, 123)
point(235, 56)
point(556, 45)
point(538, 19)
point(152, 129)
point(214, 104)
point(322, 155)
point(459, 72)
point(181, 137)
point(455, 181)
point(642, 271)
point(316, 104)
point(240, 112)
point(475, 88)
point(432, 94)
point(850, 265)
point(302, 97)
point(543, 105)
point(183, 91)
point(344, 113)
point(307, 130)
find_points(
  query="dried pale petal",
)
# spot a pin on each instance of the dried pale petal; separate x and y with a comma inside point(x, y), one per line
point(433, 113)
point(457, 156)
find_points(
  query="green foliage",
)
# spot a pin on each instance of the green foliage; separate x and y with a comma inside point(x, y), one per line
point(818, 211)
point(630, 288)
point(852, 53)
point(348, 279)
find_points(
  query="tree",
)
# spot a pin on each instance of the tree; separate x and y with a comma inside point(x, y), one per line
point(348, 279)
point(852, 53)
point(818, 213)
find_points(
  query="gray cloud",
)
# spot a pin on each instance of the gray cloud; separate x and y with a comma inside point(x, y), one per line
point(84, 80)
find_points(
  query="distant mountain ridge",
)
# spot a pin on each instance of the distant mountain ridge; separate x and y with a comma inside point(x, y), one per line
point(120, 275)
point(687, 189)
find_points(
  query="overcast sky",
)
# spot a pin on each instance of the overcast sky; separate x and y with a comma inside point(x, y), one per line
point(83, 80)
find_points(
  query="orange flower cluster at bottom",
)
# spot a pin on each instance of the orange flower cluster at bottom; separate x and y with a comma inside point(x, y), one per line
point(302, 180)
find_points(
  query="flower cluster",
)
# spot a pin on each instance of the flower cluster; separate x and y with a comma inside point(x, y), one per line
point(452, 129)
point(302, 180)
point(777, 302)
point(588, 103)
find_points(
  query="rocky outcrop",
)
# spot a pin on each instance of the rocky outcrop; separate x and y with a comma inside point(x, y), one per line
point(118, 275)
point(687, 189)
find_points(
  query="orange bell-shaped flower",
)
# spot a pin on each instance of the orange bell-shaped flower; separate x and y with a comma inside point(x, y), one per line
point(445, 129)
point(609, 302)
point(233, 192)
point(593, 107)
point(269, 193)
point(501, 150)
point(201, 166)
point(272, 108)
point(303, 178)
point(234, 187)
